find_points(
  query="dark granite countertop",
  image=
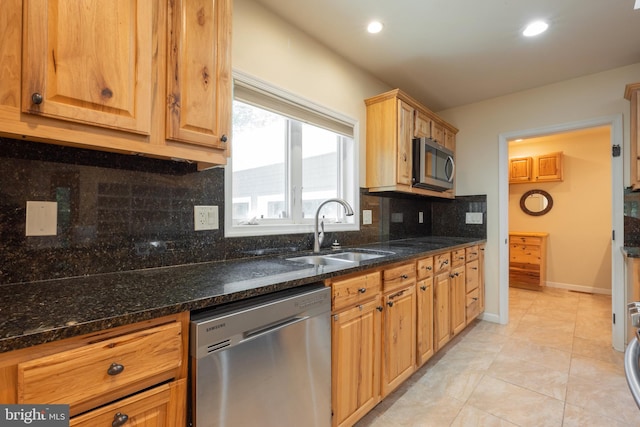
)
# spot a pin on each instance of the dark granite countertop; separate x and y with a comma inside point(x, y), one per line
point(631, 251)
point(39, 312)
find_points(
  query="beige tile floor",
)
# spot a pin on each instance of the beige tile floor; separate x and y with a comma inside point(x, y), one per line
point(552, 365)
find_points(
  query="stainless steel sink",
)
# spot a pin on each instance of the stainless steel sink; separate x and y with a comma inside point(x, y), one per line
point(355, 256)
point(320, 260)
point(342, 258)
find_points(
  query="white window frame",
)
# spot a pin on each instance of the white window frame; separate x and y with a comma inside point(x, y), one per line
point(272, 227)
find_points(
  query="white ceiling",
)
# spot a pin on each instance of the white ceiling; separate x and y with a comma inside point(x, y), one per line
point(448, 53)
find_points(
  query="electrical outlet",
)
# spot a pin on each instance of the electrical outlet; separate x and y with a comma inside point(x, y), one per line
point(205, 218)
point(473, 218)
point(42, 219)
point(367, 217)
point(397, 217)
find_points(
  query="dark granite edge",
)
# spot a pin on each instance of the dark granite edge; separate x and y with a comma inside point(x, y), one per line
point(631, 251)
point(36, 337)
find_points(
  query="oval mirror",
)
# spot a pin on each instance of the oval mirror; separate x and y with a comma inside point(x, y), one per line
point(536, 202)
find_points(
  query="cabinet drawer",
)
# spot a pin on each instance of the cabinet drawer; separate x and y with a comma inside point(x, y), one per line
point(352, 291)
point(425, 268)
point(399, 276)
point(471, 276)
point(104, 371)
point(149, 408)
point(473, 304)
point(524, 254)
point(441, 262)
point(458, 257)
point(525, 240)
point(472, 252)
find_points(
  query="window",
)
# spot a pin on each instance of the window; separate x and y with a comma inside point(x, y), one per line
point(288, 155)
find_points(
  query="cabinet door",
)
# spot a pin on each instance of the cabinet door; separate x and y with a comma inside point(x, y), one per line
point(520, 169)
point(355, 362)
point(424, 340)
point(458, 299)
point(198, 72)
point(399, 338)
point(89, 61)
point(441, 309)
point(450, 140)
point(437, 133)
point(405, 135)
point(548, 167)
point(422, 125)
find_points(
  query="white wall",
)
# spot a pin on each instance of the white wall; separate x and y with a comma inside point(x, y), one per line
point(266, 47)
point(477, 145)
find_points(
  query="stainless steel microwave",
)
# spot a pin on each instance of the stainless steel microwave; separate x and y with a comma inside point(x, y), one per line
point(433, 165)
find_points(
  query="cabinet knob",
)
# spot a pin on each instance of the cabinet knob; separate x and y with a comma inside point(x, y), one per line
point(379, 308)
point(424, 288)
point(429, 268)
point(362, 290)
point(119, 419)
point(223, 138)
point(404, 276)
point(390, 303)
point(475, 298)
point(115, 369)
point(36, 98)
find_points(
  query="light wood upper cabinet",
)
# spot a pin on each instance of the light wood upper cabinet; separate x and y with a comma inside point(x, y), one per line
point(520, 169)
point(632, 93)
point(198, 80)
point(548, 167)
point(89, 62)
point(541, 168)
point(393, 120)
point(422, 126)
point(136, 77)
point(404, 143)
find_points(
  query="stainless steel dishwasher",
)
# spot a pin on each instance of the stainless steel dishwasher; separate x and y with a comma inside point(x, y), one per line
point(263, 362)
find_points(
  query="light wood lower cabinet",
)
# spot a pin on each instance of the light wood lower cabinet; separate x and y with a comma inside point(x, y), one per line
point(399, 326)
point(138, 371)
point(387, 322)
point(355, 363)
point(458, 300)
point(424, 315)
point(527, 260)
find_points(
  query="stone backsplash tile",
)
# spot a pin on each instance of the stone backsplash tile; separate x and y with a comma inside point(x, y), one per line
point(118, 212)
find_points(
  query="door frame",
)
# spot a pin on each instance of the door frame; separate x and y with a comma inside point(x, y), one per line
point(617, 215)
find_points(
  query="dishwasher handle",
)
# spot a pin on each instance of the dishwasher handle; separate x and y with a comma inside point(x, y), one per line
point(263, 330)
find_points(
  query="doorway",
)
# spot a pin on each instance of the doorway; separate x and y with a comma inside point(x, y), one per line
point(614, 124)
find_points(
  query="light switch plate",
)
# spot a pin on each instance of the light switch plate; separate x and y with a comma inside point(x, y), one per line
point(205, 218)
point(420, 217)
point(367, 218)
point(473, 218)
point(42, 219)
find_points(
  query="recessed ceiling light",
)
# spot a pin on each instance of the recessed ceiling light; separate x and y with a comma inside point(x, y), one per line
point(535, 28)
point(374, 27)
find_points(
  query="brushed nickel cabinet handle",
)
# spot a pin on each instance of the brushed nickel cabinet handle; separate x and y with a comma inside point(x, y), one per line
point(362, 290)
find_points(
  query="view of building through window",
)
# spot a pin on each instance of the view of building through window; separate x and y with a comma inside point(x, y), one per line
point(283, 168)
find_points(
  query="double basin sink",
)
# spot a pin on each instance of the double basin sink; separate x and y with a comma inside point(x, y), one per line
point(352, 257)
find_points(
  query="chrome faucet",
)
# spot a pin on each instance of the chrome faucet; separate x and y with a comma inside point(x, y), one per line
point(319, 236)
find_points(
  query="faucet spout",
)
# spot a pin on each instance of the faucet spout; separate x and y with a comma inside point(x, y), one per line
point(318, 237)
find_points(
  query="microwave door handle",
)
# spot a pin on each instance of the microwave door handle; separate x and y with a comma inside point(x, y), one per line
point(453, 168)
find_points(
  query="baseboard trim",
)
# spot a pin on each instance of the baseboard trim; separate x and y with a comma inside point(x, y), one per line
point(579, 288)
point(490, 317)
